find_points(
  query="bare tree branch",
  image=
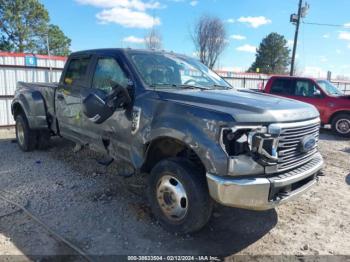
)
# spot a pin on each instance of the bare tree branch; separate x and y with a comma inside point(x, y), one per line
point(153, 40)
point(209, 38)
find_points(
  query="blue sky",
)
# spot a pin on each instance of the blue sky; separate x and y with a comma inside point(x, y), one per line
point(124, 23)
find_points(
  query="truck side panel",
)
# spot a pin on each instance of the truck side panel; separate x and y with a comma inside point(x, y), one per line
point(37, 102)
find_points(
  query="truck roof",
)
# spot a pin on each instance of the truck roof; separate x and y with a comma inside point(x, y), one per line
point(292, 77)
point(106, 51)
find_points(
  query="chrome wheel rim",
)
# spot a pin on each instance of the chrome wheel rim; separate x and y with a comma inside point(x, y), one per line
point(172, 198)
point(343, 126)
point(20, 133)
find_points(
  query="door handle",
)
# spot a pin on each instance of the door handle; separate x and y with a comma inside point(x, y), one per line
point(60, 97)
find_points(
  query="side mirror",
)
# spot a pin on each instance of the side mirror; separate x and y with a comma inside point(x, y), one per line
point(96, 109)
point(119, 98)
point(317, 93)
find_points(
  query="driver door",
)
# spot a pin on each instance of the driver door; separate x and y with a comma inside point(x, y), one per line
point(68, 99)
point(115, 132)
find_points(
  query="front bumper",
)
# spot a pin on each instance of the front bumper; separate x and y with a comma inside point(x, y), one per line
point(261, 193)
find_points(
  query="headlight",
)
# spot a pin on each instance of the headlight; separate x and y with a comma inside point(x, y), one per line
point(265, 145)
point(254, 140)
point(237, 140)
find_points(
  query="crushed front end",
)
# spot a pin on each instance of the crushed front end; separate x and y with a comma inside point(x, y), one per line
point(267, 165)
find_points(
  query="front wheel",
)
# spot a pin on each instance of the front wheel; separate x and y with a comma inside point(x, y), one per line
point(179, 196)
point(341, 125)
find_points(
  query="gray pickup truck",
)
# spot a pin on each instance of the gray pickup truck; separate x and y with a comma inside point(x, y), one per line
point(169, 116)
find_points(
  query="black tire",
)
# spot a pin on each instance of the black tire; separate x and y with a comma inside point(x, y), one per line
point(43, 139)
point(198, 204)
point(341, 125)
point(26, 137)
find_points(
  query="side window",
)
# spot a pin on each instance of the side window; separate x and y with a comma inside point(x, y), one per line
point(305, 88)
point(282, 87)
point(76, 70)
point(108, 74)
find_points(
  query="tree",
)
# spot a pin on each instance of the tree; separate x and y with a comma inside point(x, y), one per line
point(272, 56)
point(153, 40)
point(59, 43)
point(5, 45)
point(21, 23)
point(209, 38)
point(24, 26)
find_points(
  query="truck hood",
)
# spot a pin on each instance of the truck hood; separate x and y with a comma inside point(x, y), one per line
point(341, 101)
point(345, 98)
point(243, 105)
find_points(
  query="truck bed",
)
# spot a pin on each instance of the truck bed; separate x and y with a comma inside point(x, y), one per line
point(47, 90)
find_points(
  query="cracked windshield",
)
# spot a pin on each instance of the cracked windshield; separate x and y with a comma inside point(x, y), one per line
point(164, 71)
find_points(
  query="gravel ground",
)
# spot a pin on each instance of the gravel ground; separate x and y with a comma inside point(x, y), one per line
point(106, 214)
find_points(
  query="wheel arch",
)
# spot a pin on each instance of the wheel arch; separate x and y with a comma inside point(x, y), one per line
point(164, 147)
point(32, 104)
point(17, 108)
point(337, 113)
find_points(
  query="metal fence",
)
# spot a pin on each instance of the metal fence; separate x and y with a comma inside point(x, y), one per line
point(250, 83)
point(343, 86)
point(16, 67)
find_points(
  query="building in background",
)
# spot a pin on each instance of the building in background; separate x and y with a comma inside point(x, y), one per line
point(16, 67)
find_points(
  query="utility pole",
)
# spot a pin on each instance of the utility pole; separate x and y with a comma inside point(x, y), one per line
point(295, 44)
point(49, 55)
point(295, 19)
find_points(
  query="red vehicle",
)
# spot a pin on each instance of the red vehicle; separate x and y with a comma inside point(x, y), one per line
point(333, 105)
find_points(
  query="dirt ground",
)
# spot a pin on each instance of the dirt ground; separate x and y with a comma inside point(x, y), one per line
point(106, 214)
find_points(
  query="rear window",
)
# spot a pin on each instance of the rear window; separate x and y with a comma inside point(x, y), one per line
point(282, 86)
point(76, 70)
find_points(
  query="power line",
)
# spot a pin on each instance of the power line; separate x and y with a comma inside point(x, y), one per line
point(329, 25)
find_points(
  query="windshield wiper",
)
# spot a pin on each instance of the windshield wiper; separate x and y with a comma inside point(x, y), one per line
point(192, 87)
point(222, 87)
point(160, 85)
point(179, 86)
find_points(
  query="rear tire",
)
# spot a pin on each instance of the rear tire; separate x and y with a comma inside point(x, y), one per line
point(26, 137)
point(179, 196)
point(341, 125)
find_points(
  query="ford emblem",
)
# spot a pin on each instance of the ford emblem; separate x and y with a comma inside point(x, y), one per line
point(308, 143)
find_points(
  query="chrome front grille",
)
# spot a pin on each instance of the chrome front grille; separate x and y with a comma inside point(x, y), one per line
point(289, 150)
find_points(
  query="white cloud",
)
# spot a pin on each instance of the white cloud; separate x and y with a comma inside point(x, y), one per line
point(194, 3)
point(127, 18)
point(246, 48)
point(130, 4)
point(238, 37)
point(344, 35)
point(347, 25)
point(326, 36)
point(323, 59)
point(230, 20)
point(255, 21)
point(290, 43)
point(127, 13)
point(133, 39)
